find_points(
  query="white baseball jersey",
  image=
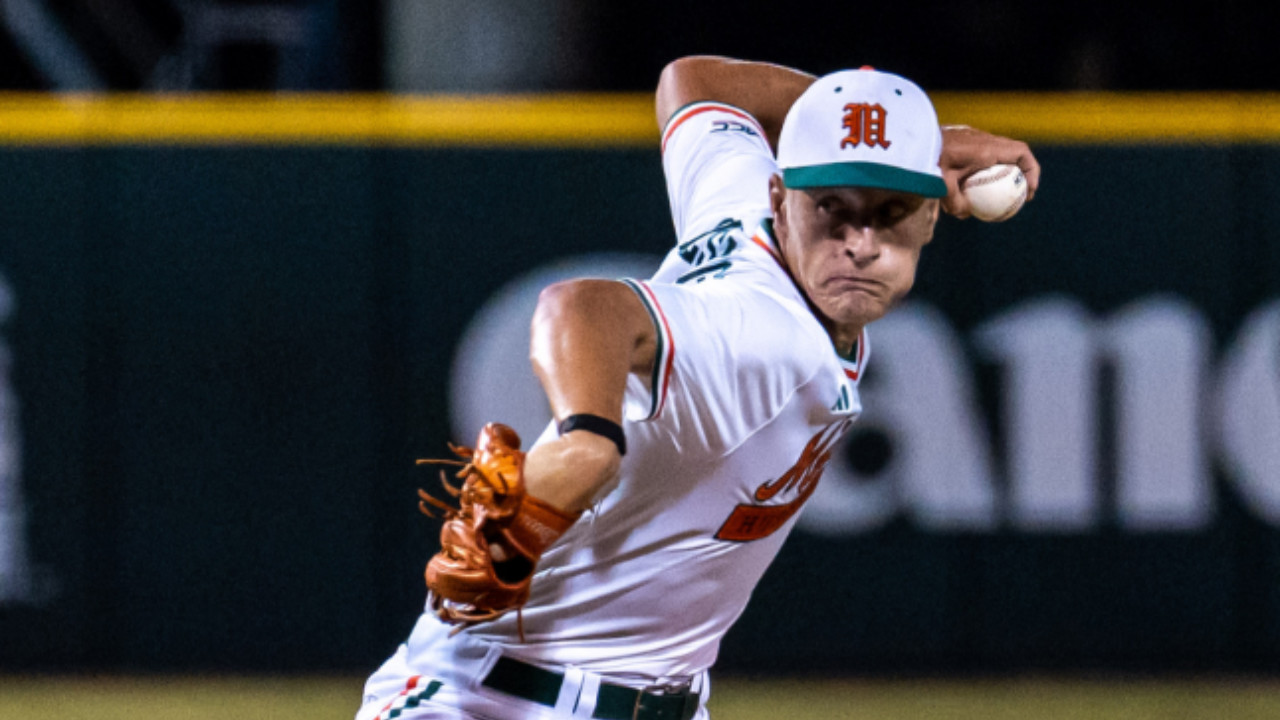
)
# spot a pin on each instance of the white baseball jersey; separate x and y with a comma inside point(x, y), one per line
point(726, 439)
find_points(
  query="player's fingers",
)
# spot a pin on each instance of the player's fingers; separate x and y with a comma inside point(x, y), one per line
point(1031, 170)
point(995, 149)
point(1018, 153)
point(967, 150)
point(956, 206)
point(955, 203)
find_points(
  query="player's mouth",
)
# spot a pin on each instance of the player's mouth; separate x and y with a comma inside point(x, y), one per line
point(845, 283)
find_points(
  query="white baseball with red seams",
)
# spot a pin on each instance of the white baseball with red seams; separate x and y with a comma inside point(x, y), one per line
point(997, 193)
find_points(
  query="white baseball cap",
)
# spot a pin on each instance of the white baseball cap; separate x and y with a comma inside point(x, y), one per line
point(863, 128)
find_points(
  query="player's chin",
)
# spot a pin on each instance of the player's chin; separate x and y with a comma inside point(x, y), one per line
point(856, 309)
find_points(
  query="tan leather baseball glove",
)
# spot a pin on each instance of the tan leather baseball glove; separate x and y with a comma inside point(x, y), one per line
point(491, 542)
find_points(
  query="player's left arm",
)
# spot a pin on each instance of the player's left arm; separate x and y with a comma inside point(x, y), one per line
point(966, 151)
point(587, 337)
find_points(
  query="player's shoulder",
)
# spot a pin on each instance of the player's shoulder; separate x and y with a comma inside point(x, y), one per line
point(758, 314)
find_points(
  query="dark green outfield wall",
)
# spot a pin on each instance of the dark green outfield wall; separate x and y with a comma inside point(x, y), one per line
point(222, 363)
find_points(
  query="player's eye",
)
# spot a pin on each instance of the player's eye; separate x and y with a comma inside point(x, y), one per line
point(892, 212)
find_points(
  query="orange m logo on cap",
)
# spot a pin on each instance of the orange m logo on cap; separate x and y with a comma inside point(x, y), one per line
point(866, 125)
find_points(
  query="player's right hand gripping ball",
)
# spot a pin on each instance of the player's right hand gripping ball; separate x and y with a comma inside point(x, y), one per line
point(996, 193)
point(491, 543)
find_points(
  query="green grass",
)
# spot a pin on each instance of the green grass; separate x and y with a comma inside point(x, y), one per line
point(335, 698)
point(179, 698)
point(1013, 699)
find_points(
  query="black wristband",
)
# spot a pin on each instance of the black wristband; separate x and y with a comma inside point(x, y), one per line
point(603, 427)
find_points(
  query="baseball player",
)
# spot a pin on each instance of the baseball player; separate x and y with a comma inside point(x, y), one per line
point(695, 411)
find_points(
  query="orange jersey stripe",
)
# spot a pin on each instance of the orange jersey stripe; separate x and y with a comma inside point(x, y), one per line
point(701, 108)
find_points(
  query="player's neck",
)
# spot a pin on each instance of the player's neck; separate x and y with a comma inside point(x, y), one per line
point(845, 337)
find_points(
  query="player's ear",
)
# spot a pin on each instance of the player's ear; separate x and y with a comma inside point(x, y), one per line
point(777, 196)
point(931, 211)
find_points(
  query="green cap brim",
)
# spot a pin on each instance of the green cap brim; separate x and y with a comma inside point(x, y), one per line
point(865, 174)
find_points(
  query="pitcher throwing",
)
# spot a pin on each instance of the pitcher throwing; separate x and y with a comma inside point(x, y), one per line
point(695, 411)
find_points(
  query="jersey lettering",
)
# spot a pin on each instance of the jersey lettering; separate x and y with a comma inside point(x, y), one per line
point(711, 245)
point(731, 126)
point(715, 269)
point(753, 522)
point(866, 125)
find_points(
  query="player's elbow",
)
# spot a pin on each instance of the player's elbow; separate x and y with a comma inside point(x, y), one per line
point(666, 98)
point(683, 81)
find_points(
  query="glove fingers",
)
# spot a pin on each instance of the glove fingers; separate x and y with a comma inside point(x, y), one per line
point(491, 544)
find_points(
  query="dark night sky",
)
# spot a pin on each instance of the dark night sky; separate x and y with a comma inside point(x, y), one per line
point(623, 44)
point(973, 45)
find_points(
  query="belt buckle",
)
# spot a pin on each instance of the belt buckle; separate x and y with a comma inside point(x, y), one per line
point(662, 690)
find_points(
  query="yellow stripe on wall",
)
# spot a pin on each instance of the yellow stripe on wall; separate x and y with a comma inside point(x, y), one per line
point(586, 120)
point(1098, 118)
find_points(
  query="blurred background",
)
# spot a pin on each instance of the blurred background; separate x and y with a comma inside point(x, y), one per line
point(539, 45)
point(257, 257)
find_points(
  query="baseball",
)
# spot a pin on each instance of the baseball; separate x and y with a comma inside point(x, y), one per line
point(997, 193)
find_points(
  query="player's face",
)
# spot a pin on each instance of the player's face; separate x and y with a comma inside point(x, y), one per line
point(853, 251)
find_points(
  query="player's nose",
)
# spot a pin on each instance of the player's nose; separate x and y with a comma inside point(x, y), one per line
point(860, 242)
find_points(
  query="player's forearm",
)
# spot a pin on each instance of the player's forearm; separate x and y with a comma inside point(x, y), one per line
point(587, 337)
point(569, 471)
point(765, 90)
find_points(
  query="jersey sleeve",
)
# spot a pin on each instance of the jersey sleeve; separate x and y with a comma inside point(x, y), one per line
point(717, 164)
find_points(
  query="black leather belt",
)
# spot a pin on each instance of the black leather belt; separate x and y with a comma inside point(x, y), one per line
point(613, 702)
